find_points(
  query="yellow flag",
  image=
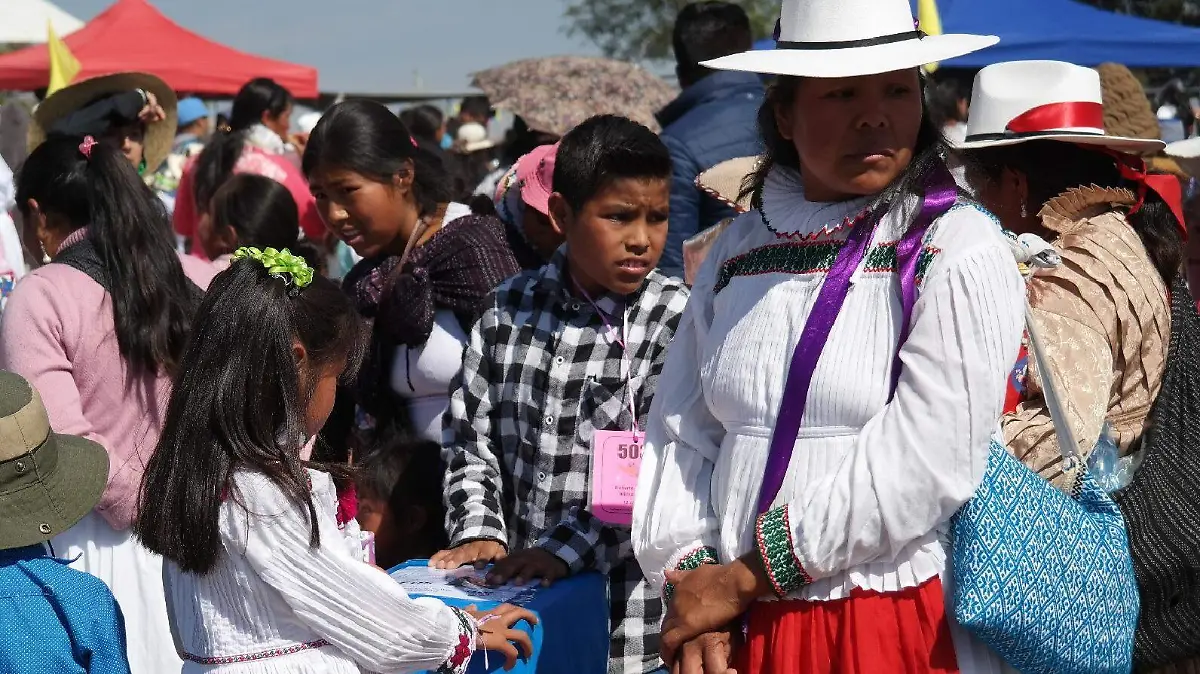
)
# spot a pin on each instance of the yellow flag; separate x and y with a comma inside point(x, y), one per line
point(930, 22)
point(63, 64)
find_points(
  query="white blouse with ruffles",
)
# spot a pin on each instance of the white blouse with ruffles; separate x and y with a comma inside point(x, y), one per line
point(871, 484)
point(269, 590)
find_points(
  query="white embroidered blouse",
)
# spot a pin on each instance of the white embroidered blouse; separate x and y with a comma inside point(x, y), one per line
point(871, 484)
point(273, 605)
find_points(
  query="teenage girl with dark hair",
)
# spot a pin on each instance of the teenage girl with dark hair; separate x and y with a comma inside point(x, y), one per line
point(254, 143)
point(248, 210)
point(259, 576)
point(100, 331)
point(428, 264)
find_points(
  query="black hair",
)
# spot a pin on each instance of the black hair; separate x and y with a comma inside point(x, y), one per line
point(1052, 168)
point(260, 210)
point(215, 164)
point(365, 137)
point(1174, 93)
point(521, 140)
point(239, 405)
point(424, 122)
point(942, 99)
point(706, 31)
point(603, 149)
point(406, 471)
point(929, 152)
point(152, 299)
point(478, 107)
point(259, 95)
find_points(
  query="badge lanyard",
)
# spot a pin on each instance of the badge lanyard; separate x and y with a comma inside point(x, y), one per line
point(621, 338)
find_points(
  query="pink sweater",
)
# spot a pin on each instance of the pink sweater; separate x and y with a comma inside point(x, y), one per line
point(257, 162)
point(58, 333)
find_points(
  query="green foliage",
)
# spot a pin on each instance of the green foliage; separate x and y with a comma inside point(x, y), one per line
point(641, 29)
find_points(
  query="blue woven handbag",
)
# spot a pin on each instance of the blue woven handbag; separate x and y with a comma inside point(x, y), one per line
point(1044, 579)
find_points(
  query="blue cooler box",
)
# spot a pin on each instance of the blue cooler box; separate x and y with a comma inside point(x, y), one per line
point(571, 636)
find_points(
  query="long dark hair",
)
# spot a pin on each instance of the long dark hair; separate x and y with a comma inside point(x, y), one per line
point(1052, 168)
point(240, 404)
point(220, 155)
point(152, 299)
point(365, 137)
point(260, 210)
point(928, 154)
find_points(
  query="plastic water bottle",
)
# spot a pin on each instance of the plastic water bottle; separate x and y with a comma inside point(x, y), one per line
point(1103, 464)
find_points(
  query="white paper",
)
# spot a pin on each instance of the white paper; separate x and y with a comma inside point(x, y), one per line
point(466, 583)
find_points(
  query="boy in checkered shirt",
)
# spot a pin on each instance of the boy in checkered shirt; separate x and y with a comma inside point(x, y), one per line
point(561, 368)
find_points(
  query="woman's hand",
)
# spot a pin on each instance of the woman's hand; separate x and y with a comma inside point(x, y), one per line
point(496, 632)
point(710, 653)
point(152, 111)
point(479, 553)
point(709, 598)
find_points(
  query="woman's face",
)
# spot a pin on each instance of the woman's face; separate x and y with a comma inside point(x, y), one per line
point(372, 217)
point(281, 124)
point(854, 135)
point(131, 140)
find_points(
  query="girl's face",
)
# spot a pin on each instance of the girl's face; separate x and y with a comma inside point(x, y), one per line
point(281, 124)
point(320, 402)
point(372, 217)
point(854, 135)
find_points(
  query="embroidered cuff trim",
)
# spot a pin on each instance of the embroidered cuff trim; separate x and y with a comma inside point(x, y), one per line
point(773, 534)
point(689, 562)
point(460, 658)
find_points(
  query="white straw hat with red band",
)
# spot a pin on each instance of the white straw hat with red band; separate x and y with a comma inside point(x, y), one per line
point(849, 38)
point(1020, 101)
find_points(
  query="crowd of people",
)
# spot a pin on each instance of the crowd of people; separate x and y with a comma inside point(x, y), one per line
point(904, 371)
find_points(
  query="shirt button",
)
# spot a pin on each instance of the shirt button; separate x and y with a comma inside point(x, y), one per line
point(549, 420)
point(542, 477)
point(560, 360)
point(574, 306)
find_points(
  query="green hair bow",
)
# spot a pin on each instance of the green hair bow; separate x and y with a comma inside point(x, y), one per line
point(280, 264)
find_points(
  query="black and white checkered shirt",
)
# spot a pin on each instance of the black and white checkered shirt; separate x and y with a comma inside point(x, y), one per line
point(540, 374)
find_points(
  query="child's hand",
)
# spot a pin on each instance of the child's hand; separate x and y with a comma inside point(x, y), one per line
point(528, 565)
point(479, 553)
point(496, 632)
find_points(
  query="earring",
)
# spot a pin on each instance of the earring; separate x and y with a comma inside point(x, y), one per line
point(1024, 210)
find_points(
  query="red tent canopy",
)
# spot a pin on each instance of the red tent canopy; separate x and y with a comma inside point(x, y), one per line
point(133, 35)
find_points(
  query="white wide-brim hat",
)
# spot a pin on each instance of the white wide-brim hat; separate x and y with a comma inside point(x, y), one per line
point(849, 38)
point(1020, 101)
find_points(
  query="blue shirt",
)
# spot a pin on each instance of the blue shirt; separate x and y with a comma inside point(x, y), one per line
point(56, 619)
point(713, 120)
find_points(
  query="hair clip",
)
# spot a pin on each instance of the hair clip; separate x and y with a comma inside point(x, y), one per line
point(85, 148)
point(282, 264)
point(413, 141)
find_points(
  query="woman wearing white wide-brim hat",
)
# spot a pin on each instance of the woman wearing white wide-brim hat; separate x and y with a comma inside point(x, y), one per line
point(834, 552)
point(1041, 161)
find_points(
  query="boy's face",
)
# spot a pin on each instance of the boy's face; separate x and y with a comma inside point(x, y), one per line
point(618, 236)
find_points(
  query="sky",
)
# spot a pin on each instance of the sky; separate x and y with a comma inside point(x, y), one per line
point(376, 46)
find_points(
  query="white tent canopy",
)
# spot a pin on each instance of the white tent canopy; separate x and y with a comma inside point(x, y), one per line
point(24, 21)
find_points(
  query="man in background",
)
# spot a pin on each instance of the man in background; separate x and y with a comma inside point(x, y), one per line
point(714, 119)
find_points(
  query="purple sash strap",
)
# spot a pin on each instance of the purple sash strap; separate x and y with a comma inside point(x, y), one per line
point(940, 195)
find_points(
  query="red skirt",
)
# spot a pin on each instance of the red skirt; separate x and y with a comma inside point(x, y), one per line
point(902, 632)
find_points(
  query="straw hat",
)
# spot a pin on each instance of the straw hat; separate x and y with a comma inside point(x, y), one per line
point(472, 137)
point(1127, 111)
point(48, 482)
point(1020, 101)
point(848, 38)
point(160, 135)
point(723, 182)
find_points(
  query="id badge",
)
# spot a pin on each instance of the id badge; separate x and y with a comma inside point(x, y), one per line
point(616, 460)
